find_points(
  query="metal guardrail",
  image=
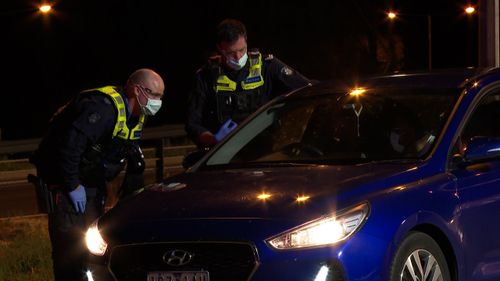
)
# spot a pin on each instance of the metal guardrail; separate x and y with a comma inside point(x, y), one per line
point(150, 134)
point(156, 137)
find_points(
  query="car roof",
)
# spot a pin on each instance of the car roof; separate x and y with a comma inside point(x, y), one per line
point(442, 79)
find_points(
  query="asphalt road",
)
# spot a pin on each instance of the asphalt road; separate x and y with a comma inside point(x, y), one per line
point(17, 198)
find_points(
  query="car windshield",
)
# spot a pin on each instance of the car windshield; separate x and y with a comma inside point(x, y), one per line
point(341, 128)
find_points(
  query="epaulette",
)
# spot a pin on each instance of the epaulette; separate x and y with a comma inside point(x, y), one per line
point(268, 57)
point(214, 59)
point(214, 66)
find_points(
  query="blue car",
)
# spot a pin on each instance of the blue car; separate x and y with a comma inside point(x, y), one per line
point(388, 178)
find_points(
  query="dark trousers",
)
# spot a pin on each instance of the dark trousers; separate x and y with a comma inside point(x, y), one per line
point(67, 234)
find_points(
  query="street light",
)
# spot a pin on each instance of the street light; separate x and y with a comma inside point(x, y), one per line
point(45, 8)
point(470, 10)
point(393, 15)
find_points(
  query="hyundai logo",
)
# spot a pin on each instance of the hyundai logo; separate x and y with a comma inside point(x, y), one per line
point(177, 257)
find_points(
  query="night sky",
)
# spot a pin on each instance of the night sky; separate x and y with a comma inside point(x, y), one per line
point(85, 44)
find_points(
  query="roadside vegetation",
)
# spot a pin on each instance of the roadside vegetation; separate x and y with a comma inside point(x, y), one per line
point(25, 249)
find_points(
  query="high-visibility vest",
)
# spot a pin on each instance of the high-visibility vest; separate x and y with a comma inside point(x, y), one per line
point(121, 129)
point(252, 81)
point(237, 101)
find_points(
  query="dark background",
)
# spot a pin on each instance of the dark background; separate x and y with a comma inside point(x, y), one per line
point(46, 59)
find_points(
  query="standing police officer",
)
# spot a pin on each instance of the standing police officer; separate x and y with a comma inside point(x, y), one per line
point(89, 141)
point(233, 85)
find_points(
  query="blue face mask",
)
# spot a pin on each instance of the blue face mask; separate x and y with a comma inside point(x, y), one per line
point(151, 107)
point(237, 64)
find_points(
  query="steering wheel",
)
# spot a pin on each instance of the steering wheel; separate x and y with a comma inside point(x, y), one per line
point(298, 149)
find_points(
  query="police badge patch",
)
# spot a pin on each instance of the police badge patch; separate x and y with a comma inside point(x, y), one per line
point(94, 117)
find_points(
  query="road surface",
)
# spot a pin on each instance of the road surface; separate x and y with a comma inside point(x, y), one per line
point(18, 197)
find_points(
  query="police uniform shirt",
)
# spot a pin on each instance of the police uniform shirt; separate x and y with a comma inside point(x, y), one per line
point(87, 120)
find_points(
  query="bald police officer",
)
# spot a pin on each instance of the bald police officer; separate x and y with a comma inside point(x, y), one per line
point(89, 141)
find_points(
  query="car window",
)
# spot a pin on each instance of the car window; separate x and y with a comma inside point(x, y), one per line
point(341, 128)
point(483, 122)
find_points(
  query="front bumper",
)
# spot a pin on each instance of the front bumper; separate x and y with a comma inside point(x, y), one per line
point(361, 258)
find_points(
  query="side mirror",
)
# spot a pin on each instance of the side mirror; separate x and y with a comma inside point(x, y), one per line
point(193, 157)
point(480, 149)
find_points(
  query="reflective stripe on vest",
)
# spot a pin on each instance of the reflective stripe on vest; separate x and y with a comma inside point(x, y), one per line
point(121, 130)
point(253, 80)
point(225, 84)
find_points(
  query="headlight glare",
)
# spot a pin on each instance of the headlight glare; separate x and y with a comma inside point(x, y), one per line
point(323, 231)
point(95, 243)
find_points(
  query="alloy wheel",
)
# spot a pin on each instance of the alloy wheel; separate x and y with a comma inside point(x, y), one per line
point(421, 265)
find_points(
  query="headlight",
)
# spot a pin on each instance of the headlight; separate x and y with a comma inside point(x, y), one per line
point(95, 244)
point(323, 231)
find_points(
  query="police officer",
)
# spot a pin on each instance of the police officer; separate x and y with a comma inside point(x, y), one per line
point(89, 141)
point(234, 84)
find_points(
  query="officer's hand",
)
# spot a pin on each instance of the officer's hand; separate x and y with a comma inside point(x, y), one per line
point(79, 198)
point(225, 129)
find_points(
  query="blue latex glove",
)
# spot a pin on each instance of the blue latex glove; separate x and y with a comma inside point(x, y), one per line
point(225, 129)
point(79, 198)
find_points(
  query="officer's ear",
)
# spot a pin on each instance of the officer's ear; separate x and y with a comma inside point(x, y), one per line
point(135, 90)
point(131, 90)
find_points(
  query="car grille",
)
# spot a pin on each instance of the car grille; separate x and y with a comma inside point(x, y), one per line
point(223, 261)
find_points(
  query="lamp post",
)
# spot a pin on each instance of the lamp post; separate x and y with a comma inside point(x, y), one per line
point(489, 33)
point(429, 40)
point(391, 15)
point(470, 11)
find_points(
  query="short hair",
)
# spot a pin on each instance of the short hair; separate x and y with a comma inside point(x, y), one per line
point(229, 30)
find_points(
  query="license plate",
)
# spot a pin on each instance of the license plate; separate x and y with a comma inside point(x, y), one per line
point(178, 276)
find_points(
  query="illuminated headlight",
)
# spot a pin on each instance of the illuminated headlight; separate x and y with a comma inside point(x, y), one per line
point(95, 244)
point(323, 231)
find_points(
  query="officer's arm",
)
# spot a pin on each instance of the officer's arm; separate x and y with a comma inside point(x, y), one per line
point(196, 105)
point(134, 175)
point(71, 148)
point(94, 121)
point(289, 78)
point(135, 159)
point(206, 139)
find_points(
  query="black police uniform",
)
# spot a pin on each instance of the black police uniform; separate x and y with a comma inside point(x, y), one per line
point(79, 149)
point(207, 111)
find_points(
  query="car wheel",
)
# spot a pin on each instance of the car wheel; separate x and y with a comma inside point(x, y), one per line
point(419, 258)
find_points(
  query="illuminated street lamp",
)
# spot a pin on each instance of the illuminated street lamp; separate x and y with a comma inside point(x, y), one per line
point(391, 15)
point(470, 10)
point(45, 8)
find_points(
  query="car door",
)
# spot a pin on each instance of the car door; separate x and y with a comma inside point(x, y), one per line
point(478, 216)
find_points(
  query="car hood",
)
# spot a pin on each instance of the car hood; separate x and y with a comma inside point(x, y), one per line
point(233, 193)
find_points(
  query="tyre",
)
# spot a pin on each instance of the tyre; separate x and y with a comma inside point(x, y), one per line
point(419, 258)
